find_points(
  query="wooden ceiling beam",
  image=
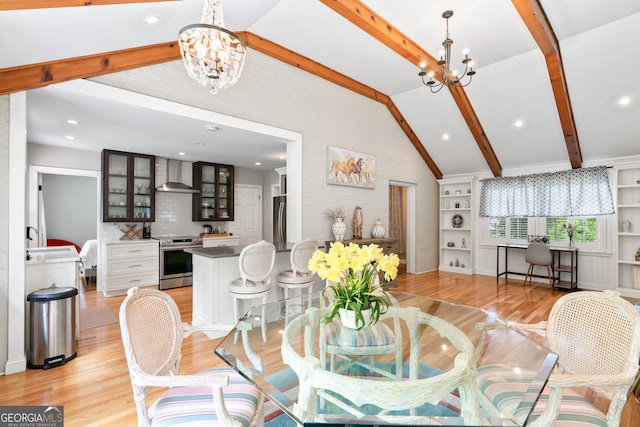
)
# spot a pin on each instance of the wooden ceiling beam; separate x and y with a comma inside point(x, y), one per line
point(46, 4)
point(294, 59)
point(536, 21)
point(376, 26)
point(43, 74)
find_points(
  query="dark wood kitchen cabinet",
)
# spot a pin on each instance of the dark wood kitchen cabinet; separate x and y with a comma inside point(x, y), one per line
point(128, 187)
point(215, 200)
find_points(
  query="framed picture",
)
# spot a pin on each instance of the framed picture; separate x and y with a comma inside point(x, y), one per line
point(346, 167)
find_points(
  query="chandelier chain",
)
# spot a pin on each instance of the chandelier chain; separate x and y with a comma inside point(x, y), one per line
point(447, 77)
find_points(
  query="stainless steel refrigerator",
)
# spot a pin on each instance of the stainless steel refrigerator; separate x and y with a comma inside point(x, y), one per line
point(279, 219)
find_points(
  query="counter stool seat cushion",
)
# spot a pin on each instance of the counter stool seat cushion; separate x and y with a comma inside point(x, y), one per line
point(298, 278)
point(194, 405)
point(249, 287)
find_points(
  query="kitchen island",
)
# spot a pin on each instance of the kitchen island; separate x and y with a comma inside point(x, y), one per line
point(213, 269)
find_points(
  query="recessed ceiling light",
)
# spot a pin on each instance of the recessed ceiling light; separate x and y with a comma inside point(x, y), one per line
point(258, 163)
point(181, 153)
point(518, 123)
point(151, 19)
point(72, 122)
point(70, 137)
point(212, 128)
point(445, 136)
point(625, 100)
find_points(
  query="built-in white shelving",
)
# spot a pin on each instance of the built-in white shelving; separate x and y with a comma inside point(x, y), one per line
point(628, 210)
point(456, 225)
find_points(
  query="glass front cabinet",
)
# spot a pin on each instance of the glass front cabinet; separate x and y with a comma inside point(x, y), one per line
point(128, 187)
point(215, 200)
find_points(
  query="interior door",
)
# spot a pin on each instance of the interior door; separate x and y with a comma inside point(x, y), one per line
point(247, 223)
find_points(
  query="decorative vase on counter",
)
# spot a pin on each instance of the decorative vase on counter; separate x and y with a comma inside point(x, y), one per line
point(378, 231)
point(339, 228)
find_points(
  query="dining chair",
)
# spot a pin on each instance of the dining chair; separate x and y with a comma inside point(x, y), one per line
point(597, 338)
point(376, 395)
point(538, 254)
point(256, 262)
point(361, 346)
point(152, 334)
point(298, 277)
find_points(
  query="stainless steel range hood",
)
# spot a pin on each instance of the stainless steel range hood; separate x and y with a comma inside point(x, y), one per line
point(173, 183)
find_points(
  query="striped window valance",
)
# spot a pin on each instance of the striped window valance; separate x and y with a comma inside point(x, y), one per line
point(575, 192)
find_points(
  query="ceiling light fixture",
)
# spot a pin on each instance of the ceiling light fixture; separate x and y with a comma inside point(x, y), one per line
point(211, 53)
point(151, 19)
point(70, 137)
point(447, 77)
point(625, 100)
point(72, 122)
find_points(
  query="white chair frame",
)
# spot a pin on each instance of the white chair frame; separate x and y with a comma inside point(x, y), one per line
point(152, 334)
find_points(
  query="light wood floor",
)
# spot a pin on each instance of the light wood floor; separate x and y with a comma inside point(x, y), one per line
point(95, 390)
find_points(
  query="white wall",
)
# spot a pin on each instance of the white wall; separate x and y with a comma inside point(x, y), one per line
point(4, 226)
point(279, 95)
point(282, 96)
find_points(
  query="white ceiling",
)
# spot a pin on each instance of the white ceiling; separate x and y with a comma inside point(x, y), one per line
point(598, 42)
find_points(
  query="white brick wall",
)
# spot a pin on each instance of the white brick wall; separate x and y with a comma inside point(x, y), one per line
point(280, 95)
point(4, 225)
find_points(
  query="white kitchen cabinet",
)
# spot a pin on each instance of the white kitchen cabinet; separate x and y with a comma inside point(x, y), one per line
point(214, 242)
point(456, 226)
point(128, 264)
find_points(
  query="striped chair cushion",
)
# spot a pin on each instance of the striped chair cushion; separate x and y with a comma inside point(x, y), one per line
point(374, 335)
point(505, 390)
point(193, 406)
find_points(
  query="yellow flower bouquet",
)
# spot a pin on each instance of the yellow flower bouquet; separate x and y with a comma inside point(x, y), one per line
point(352, 271)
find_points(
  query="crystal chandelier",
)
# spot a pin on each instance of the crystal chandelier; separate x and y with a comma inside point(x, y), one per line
point(448, 77)
point(211, 53)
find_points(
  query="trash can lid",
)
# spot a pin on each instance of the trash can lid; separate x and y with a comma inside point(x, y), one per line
point(53, 293)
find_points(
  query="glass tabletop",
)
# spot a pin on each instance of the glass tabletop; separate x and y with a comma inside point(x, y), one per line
point(427, 362)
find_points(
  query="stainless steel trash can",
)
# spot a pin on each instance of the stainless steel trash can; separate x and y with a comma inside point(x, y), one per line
point(52, 331)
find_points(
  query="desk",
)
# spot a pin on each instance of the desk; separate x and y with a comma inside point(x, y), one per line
point(560, 270)
point(434, 357)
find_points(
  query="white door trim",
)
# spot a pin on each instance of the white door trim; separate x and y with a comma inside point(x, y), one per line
point(411, 222)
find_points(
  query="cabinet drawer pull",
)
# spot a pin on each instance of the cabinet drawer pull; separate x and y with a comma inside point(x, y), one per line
point(134, 280)
point(135, 265)
point(135, 250)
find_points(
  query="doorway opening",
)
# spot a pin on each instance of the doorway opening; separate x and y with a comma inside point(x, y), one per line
point(402, 221)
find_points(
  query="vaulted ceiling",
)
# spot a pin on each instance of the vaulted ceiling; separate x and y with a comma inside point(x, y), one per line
point(559, 67)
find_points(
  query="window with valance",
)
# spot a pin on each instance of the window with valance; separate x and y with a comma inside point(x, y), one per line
point(575, 192)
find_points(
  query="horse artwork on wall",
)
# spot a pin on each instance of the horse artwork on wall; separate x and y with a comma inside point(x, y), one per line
point(346, 167)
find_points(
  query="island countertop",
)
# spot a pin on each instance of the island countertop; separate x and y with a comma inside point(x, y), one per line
point(232, 251)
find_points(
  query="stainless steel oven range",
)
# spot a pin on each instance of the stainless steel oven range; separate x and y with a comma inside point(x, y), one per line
point(176, 268)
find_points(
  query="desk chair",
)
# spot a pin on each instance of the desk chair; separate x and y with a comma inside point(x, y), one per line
point(256, 263)
point(597, 338)
point(538, 254)
point(298, 276)
point(152, 334)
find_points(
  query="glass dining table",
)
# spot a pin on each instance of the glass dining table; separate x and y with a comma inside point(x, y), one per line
point(427, 362)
